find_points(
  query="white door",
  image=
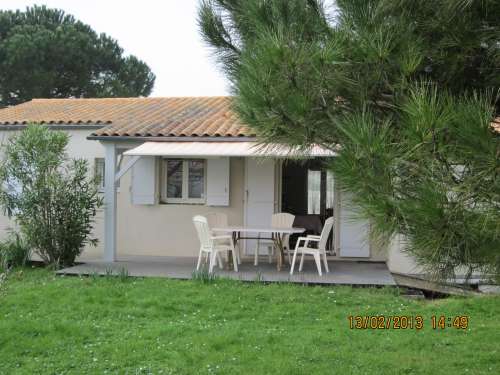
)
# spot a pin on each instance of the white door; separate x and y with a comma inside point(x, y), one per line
point(353, 232)
point(259, 196)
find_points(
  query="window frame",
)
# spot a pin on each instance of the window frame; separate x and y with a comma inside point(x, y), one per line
point(185, 182)
point(102, 187)
point(98, 161)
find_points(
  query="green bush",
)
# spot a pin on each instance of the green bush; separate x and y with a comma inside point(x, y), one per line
point(14, 251)
point(51, 197)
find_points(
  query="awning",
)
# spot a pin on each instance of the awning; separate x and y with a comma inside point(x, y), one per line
point(214, 149)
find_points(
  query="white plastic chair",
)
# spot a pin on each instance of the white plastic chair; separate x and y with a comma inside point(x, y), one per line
point(219, 220)
point(211, 245)
point(315, 252)
point(279, 220)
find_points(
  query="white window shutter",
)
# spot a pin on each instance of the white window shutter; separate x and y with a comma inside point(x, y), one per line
point(144, 181)
point(218, 182)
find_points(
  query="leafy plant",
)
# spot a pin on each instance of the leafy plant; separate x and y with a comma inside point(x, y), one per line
point(123, 274)
point(14, 252)
point(204, 276)
point(109, 271)
point(50, 196)
point(94, 274)
point(259, 278)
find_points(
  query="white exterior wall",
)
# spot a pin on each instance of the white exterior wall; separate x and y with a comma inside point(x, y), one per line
point(166, 229)
point(398, 261)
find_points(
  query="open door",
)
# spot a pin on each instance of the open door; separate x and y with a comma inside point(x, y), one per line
point(308, 192)
point(307, 189)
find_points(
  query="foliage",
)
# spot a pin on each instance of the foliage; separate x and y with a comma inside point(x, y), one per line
point(204, 277)
point(231, 327)
point(51, 198)
point(407, 88)
point(14, 251)
point(123, 274)
point(45, 53)
point(440, 192)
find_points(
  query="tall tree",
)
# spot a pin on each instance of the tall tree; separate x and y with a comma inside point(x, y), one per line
point(45, 53)
point(407, 88)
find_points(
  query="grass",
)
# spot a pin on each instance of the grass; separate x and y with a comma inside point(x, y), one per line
point(97, 325)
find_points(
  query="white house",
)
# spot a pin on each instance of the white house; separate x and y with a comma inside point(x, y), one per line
point(165, 160)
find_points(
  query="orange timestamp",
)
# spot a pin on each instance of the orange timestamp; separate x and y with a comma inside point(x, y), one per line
point(416, 322)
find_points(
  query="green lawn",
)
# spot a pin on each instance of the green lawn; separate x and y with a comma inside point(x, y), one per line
point(56, 325)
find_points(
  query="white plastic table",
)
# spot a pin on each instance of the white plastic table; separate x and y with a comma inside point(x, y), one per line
point(276, 235)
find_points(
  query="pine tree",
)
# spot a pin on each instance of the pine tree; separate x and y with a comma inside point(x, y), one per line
point(46, 53)
point(407, 88)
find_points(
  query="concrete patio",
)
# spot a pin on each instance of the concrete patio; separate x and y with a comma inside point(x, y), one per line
point(341, 272)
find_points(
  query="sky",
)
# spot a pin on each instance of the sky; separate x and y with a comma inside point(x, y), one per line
point(163, 33)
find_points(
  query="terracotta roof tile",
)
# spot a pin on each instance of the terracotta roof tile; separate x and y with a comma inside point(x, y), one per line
point(146, 117)
point(140, 117)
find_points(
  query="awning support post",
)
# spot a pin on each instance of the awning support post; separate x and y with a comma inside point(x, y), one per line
point(126, 167)
point(110, 202)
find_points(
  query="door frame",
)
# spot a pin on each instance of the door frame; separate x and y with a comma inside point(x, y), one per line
point(336, 205)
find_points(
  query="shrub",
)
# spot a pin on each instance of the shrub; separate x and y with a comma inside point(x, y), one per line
point(14, 251)
point(50, 196)
point(204, 277)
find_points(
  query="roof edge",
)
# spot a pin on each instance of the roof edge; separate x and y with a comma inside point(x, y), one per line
point(54, 126)
point(118, 138)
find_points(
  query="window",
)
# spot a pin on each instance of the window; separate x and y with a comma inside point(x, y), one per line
point(99, 173)
point(330, 188)
point(183, 181)
point(313, 192)
point(320, 191)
